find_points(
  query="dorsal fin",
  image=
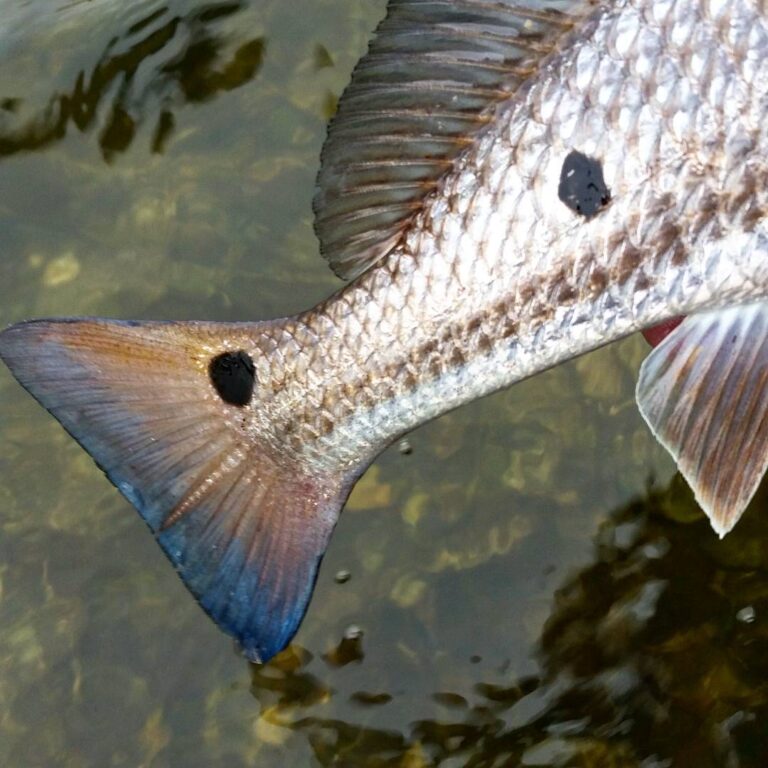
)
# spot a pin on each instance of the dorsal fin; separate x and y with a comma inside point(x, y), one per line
point(432, 71)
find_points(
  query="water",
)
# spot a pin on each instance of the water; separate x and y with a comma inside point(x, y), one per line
point(529, 585)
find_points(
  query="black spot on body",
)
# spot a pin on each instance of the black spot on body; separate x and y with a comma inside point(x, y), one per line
point(232, 375)
point(582, 187)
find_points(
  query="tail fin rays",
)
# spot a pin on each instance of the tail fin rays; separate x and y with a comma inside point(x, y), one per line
point(245, 529)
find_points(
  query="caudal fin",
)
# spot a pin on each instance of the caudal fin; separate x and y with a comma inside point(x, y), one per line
point(167, 411)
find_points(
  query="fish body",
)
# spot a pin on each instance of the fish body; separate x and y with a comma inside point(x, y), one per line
point(497, 279)
point(618, 183)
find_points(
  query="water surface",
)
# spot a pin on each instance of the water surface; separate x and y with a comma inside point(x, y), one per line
point(530, 585)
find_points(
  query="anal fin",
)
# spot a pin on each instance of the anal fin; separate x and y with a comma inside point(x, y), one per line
point(704, 393)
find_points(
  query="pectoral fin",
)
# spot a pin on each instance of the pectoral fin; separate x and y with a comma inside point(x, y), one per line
point(703, 393)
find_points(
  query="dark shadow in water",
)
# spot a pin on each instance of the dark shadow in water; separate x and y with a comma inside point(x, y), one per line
point(195, 73)
point(656, 654)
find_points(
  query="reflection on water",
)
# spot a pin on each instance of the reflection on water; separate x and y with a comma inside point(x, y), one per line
point(193, 72)
point(654, 655)
point(508, 589)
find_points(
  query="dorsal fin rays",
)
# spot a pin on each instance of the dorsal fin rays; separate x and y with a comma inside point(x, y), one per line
point(424, 89)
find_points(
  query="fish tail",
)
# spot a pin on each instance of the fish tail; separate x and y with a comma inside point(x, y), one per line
point(166, 411)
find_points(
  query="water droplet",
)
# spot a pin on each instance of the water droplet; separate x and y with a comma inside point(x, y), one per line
point(349, 649)
point(353, 632)
point(404, 446)
point(746, 615)
point(342, 577)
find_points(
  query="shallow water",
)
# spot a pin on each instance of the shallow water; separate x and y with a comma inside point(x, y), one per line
point(533, 584)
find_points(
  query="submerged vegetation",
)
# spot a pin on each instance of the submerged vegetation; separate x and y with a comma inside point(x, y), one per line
point(524, 584)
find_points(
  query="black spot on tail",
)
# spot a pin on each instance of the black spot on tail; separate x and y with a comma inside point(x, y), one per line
point(232, 375)
point(582, 187)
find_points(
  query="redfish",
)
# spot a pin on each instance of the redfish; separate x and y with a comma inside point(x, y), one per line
point(506, 185)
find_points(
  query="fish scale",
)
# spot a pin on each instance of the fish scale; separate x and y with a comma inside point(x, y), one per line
point(665, 114)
